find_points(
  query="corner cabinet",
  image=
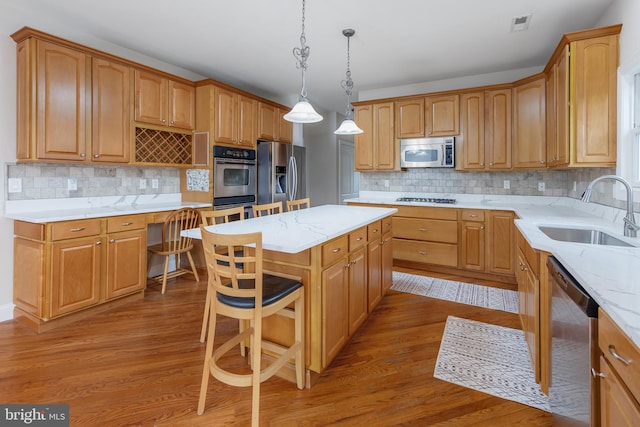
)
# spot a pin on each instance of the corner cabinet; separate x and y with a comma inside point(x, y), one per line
point(375, 148)
point(583, 99)
point(65, 267)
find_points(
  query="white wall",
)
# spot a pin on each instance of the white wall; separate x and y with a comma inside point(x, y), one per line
point(626, 12)
point(322, 160)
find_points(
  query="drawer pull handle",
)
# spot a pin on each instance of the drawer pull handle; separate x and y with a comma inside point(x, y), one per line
point(336, 250)
point(422, 252)
point(75, 230)
point(473, 216)
point(358, 239)
point(375, 230)
point(126, 224)
point(99, 242)
point(424, 230)
point(612, 352)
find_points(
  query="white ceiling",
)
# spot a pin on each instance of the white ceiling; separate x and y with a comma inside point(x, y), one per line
point(248, 43)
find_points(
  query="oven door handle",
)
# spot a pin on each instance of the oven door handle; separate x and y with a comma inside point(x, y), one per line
point(231, 162)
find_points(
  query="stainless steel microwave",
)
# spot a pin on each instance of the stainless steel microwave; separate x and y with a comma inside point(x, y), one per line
point(427, 152)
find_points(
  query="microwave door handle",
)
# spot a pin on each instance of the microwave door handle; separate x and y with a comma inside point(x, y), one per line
point(442, 158)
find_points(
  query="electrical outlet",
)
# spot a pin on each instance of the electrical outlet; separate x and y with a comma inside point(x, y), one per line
point(72, 184)
point(154, 183)
point(386, 183)
point(15, 185)
point(541, 186)
point(143, 183)
point(507, 184)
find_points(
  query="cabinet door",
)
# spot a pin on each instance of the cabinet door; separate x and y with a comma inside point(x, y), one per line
point(617, 407)
point(498, 128)
point(562, 109)
point(225, 116)
point(150, 98)
point(374, 257)
point(529, 127)
point(387, 262)
point(75, 274)
point(384, 136)
point(593, 66)
point(182, 105)
point(410, 118)
point(335, 310)
point(443, 115)
point(286, 127)
point(246, 121)
point(267, 122)
point(473, 244)
point(472, 130)
point(550, 101)
point(501, 243)
point(126, 263)
point(110, 118)
point(364, 141)
point(61, 102)
point(357, 289)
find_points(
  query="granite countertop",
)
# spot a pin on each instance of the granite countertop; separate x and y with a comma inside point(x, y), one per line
point(610, 274)
point(54, 210)
point(295, 231)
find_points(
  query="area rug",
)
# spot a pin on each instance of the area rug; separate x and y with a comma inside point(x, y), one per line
point(465, 293)
point(488, 358)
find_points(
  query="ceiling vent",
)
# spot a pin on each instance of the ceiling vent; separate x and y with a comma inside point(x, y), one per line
point(520, 23)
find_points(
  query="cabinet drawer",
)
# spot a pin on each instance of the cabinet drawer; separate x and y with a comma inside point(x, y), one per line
point(427, 212)
point(357, 238)
point(433, 230)
point(334, 250)
point(374, 230)
point(387, 224)
point(472, 215)
point(612, 340)
point(124, 223)
point(73, 229)
point(427, 252)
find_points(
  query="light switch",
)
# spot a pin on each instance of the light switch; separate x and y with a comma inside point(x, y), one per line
point(72, 184)
point(15, 185)
point(154, 183)
point(541, 186)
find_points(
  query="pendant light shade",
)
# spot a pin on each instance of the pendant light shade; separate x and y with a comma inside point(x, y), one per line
point(302, 112)
point(348, 126)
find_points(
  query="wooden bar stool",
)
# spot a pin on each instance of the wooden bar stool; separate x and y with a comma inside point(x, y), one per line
point(267, 209)
point(294, 205)
point(234, 293)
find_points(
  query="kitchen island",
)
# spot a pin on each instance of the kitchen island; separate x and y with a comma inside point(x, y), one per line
point(343, 256)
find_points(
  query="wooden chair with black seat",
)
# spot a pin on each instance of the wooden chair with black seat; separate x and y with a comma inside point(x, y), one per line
point(295, 205)
point(234, 293)
point(214, 217)
point(267, 209)
point(175, 244)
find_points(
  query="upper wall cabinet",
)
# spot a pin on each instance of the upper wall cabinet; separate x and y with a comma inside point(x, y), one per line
point(376, 146)
point(429, 116)
point(271, 123)
point(164, 102)
point(52, 102)
point(234, 122)
point(529, 130)
point(582, 99)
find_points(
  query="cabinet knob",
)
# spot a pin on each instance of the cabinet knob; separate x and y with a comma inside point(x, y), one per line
point(542, 162)
point(99, 242)
point(172, 122)
point(490, 163)
point(112, 241)
point(83, 155)
point(596, 374)
point(354, 262)
point(481, 164)
point(347, 266)
point(96, 156)
point(163, 121)
point(481, 228)
point(358, 239)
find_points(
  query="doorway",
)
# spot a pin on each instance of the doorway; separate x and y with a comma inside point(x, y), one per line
point(348, 178)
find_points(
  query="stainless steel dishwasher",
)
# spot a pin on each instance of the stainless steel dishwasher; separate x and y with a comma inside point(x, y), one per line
point(573, 392)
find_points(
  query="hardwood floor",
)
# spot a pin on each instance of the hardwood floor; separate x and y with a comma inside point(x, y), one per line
point(140, 365)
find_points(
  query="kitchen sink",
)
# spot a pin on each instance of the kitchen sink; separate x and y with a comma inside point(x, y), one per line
point(583, 235)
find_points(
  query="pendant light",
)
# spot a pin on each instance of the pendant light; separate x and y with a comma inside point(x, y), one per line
point(302, 112)
point(348, 126)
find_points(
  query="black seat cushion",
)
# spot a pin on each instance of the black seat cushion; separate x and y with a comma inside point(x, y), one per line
point(273, 289)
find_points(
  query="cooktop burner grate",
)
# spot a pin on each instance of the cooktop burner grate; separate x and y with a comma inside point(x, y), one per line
point(425, 200)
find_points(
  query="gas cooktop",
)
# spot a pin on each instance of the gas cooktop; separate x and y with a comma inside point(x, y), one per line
point(425, 200)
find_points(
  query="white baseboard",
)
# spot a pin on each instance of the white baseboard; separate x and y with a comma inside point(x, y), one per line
point(6, 312)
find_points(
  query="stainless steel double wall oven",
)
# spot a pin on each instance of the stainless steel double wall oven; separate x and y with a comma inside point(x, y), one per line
point(234, 178)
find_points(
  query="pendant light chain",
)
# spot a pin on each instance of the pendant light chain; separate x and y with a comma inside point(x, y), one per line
point(302, 53)
point(347, 84)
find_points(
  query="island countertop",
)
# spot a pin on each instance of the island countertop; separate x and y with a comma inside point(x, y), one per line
point(295, 231)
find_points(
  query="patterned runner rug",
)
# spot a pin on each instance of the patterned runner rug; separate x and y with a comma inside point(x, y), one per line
point(488, 358)
point(465, 293)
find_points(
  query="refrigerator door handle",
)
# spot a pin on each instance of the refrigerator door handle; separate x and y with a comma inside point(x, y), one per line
point(292, 178)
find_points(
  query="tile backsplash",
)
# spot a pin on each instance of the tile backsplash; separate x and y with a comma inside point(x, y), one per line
point(51, 181)
point(522, 183)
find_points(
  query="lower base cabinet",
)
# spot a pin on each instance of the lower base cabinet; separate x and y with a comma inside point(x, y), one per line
point(63, 267)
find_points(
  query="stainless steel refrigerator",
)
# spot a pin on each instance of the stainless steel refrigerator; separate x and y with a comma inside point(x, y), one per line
point(281, 172)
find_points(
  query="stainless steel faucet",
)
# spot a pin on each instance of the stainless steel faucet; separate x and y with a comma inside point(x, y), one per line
point(630, 226)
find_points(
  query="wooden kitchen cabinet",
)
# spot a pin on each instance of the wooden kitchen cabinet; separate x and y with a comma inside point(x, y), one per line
point(374, 257)
point(528, 303)
point(335, 307)
point(234, 118)
point(53, 101)
point(618, 382)
point(163, 102)
point(501, 243)
point(529, 123)
point(375, 148)
point(62, 268)
point(358, 285)
point(583, 70)
point(111, 121)
point(429, 116)
point(271, 123)
point(472, 254)
point(485, 130)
